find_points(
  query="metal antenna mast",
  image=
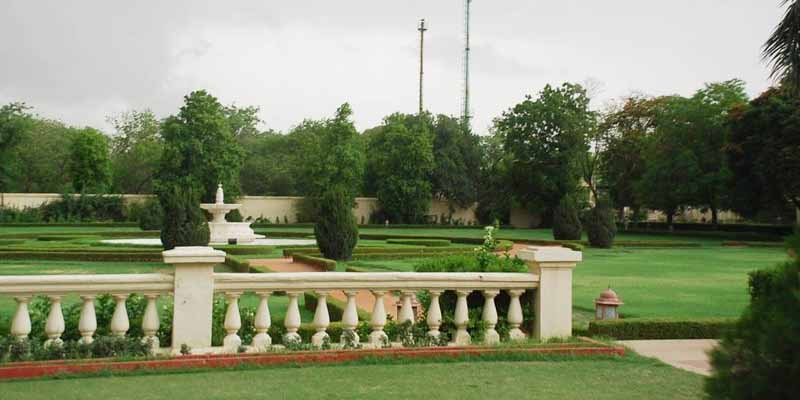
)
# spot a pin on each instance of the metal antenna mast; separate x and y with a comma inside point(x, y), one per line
point(465, 117)
point(421, 30)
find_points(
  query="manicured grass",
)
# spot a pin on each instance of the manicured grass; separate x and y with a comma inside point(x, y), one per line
point(629, 377)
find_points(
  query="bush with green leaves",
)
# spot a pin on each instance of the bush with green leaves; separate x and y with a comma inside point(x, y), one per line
point(336, 230)
point(84, 207)
point(16, 215)
point(184, 222)
point(600, 226)
point(566, 222)
point(760, 357)
point(148, 214)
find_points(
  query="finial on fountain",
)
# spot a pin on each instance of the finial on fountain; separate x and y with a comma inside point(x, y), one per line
point(220, 195)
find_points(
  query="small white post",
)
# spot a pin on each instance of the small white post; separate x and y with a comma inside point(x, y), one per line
point(194, 295)
point(54, 326)
point(461, 319)
point(233, 322)
point(490, 317)
point(378, 338)
point(434, 314)
point(554, 296)
point(321, 319)
point(292, 320)
point(87, 324)
point(262, 340)
point(350, 318)
point(119, 320)
point(21, 324)
point(150, 321)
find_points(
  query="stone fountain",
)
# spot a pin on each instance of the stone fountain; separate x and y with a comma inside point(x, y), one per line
point(223, 231)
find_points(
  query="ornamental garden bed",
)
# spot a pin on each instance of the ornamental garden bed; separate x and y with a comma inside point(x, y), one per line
point(25, 370)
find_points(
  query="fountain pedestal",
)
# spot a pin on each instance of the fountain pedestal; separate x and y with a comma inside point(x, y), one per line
point(221, 230)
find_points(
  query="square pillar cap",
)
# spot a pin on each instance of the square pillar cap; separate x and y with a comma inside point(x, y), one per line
point(193, 255)
point(550, 254)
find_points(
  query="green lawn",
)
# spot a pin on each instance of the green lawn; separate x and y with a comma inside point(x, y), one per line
point(630, 377)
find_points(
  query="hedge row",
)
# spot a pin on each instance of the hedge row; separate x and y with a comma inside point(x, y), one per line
point(241, 266)
point(9, 242)
point(652, 243)
point(380, 226)
point(79, 249)
point(655, 328)
point(77, 235)
point(775, 230)
point(743, 236)
point(70, 225)
point(82, 256)
point(245, 250)
point(322, 263)
point(738, 243)
point(288, 252)
point(420, 242)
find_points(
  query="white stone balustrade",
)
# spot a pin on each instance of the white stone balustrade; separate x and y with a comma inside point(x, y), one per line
point(194, 284)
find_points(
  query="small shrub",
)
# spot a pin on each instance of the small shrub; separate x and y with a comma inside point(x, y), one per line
point(600, 226)
point(234, 216)
point(148, 214)
point(16, 215)
point(184, 222)
point(566, 223)
point(336, 230)
point(84, 207)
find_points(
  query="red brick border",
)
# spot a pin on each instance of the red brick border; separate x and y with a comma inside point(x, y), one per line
point(22, 370)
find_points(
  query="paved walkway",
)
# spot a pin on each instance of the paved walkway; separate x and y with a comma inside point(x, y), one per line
point(689, 355)
point(364, 299)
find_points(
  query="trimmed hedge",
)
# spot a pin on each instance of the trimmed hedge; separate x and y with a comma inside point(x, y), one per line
point(64, 238)
point(654, 243)
point(104, 234)
point(323, 263)
point(9, 242)
point(420, 242)
point(773, 230)
point(69, 225)
point(661, 328)
point(737, 243)
point(381, 226)
point(82, 256)
point(741, 236)
point(245, 250)
point(241, 266)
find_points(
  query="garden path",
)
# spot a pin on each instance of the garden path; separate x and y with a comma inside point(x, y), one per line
point(689, 355)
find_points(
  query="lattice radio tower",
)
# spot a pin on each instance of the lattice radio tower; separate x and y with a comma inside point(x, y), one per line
point(465, 116)
point(421, 30)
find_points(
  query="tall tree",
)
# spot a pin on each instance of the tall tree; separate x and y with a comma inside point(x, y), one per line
point(401, 162)
point(135, 151)
point(38, 161)
point(14, 123)
point(200, 150)
point(764, 153)
point(457, 158)
point(782, 49)
point(89, 165)
point(494, 198)
point(545, 138)
point(269, 161)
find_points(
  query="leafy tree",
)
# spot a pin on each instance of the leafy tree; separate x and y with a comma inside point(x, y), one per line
point(89, 165)
point(782, 49)
point(494, 198)
point(269, 162)
point(600, 225)
point(457, 159)
point(14, 123)
point(184, 222)
point(200, 150)
point(135, 151)
point(708, 122)
point(243, 121)
point(566, 222)
point(401, 161)
point(764, 152)
point(672, 169)
point(622, 133)
point(545, 138)
point(760, 357)
point(335, 229)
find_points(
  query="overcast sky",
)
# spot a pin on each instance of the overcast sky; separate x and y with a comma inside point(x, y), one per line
point(81, 61)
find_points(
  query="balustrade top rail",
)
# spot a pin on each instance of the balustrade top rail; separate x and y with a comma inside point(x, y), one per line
point(86, 284)
point(300, 281)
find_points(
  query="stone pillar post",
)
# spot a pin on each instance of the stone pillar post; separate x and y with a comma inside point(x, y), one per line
point(554, 296)
point(193, 295)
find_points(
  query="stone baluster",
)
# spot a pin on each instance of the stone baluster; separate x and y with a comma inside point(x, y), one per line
point(151, 322)
point(350, 319)
point(55, 323)
point(292, 321)
point(406, 309)
point(88, 320)
point(462, 337)
point(515, 315)
point(490, 317)
point(21, 323)
point(233, 322)
point(434, 314)
point(119, 320)
point(321, 319)
point(378, 337)
point(262, 340)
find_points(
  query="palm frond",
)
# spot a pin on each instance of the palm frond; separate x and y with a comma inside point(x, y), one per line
point(782, 49)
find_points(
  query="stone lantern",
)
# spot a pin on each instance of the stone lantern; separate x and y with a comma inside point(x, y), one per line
point(606, 305)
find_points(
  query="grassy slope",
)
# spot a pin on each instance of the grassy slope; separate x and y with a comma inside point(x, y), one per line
point(564, 379)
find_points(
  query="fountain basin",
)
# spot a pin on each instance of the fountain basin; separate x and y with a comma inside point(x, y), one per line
point(256, 242)
point(241, 231)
